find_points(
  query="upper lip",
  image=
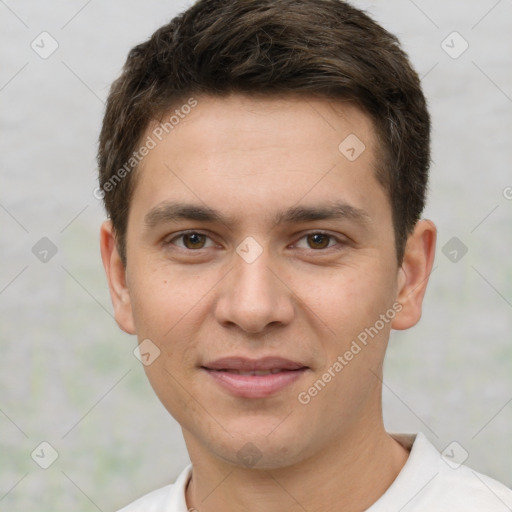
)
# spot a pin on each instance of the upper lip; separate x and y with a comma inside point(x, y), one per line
point(247, 365)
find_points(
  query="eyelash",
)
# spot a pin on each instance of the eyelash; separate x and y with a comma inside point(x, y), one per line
point(192, 232)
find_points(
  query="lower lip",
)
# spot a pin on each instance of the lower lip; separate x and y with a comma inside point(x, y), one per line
point(255, 386)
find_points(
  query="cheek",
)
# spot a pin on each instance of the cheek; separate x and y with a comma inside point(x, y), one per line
point(166, 317)
point(347, 299)
point(161, 299)
point(168, 309)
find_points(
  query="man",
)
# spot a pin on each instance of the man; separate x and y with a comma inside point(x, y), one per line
point(264, 166)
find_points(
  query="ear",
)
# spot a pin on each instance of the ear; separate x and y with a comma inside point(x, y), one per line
point(116, 277)
point(414, 273)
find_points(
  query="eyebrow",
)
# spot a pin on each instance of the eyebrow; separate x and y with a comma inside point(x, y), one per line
point(169, 211)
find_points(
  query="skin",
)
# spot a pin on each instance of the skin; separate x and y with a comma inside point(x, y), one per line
point(250, 158)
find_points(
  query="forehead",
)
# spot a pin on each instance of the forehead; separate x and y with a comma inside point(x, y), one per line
point(239, 151)
point(247, 121)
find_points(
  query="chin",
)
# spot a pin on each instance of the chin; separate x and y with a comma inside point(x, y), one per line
point(261, 446)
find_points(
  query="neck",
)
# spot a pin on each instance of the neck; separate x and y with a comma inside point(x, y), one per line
point(355, 471)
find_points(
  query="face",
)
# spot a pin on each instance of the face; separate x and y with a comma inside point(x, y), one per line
point(260, 251)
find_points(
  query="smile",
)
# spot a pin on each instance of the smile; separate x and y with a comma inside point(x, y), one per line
point(259, 378)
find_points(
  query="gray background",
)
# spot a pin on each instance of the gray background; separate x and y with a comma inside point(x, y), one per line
point(68, 375)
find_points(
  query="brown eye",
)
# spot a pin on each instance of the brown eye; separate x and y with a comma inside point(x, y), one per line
point(318, 240)
point(193, 240)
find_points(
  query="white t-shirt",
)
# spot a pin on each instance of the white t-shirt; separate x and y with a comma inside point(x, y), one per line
point(428, 482)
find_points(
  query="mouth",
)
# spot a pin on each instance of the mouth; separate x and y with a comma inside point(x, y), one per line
point(254, 378)
point(255, 372)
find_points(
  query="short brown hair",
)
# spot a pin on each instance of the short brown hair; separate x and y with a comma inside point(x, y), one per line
point(325, 48)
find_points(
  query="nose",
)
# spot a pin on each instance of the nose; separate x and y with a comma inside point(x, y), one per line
point(254, 296)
